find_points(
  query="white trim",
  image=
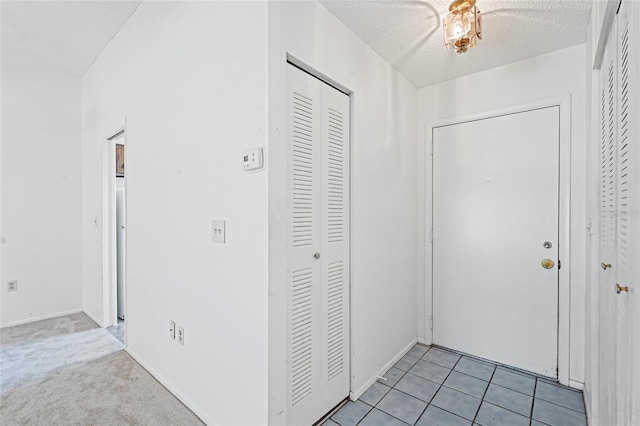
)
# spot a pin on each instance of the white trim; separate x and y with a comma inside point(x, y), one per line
point(109, 273)
point(576, 385)
point(357, 394)
point(199, 412)
point(605, 28)
point(564, 219)
point(317, 74)
point(41, 318)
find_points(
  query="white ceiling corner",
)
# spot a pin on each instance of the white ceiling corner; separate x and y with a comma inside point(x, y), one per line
point(408, 33)
point(68, 34)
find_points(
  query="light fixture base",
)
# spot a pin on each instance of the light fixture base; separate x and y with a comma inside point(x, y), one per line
point(461, 6)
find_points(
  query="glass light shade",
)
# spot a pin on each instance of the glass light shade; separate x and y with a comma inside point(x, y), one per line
point(462, 26)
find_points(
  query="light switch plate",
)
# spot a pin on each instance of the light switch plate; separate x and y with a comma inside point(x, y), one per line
point(218, 233)
point(253, 159)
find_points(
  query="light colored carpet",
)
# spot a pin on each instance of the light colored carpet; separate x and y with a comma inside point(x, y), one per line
point(68, 371)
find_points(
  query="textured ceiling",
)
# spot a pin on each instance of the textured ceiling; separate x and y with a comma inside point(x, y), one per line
point(69, 34)
point(408, 34)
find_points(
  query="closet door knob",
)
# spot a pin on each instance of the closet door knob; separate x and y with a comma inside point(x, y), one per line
point(605, 265)
point(317, 255)
point(620, 289)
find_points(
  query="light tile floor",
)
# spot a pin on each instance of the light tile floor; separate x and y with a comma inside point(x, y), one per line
point(434, 386)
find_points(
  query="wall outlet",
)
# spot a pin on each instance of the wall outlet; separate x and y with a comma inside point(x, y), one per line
point(172, 330)
point(181, 335)
point(12, 285)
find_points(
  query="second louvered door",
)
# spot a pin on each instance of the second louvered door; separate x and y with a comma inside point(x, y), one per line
point(318, 248)
point(620, 225)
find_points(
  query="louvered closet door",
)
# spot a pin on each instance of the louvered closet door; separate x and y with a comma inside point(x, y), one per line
point(620, 225)
point(318, 251)
point(608, 181)
point(627, 235)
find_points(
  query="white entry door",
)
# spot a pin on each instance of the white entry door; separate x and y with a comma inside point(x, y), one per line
point(495, 221)
point(318, 248)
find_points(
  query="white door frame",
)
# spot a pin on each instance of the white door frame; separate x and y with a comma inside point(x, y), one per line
point(564, 219)
point(109, 265)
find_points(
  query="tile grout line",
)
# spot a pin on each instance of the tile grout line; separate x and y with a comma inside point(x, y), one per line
point(533, 401)
point(495, 366)
point(484, 394)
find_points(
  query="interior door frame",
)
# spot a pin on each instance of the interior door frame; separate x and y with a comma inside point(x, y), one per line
point(564, 215)
point(109, 262)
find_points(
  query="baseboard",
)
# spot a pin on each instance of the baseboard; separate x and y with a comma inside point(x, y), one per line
point(94, 318)
point(171, 388)
point(423, 341)
point(41, 318)
point(576, 385)
point(354, 395)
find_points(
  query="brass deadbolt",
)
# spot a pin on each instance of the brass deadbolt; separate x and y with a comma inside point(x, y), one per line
point(547, 264)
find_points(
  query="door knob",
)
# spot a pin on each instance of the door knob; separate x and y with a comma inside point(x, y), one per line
point(547, 264)
point(605, 265)
point(317, 255)
point(620, 289)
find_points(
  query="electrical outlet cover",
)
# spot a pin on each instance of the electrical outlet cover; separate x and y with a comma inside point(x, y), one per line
point(172, 330)
point(12, 285)
point(181, 335)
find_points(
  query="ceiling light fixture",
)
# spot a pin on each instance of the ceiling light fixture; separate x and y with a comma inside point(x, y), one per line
point(462, 26)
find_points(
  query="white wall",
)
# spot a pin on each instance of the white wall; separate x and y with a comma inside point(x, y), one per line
point(545, 76)
point(383, 191)
point(191, 80)
point(41, 204)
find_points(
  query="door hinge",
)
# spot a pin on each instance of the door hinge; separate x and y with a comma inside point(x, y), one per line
point(431, 322)
point(559, 264)
point(431, 235)
point(432, 147)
